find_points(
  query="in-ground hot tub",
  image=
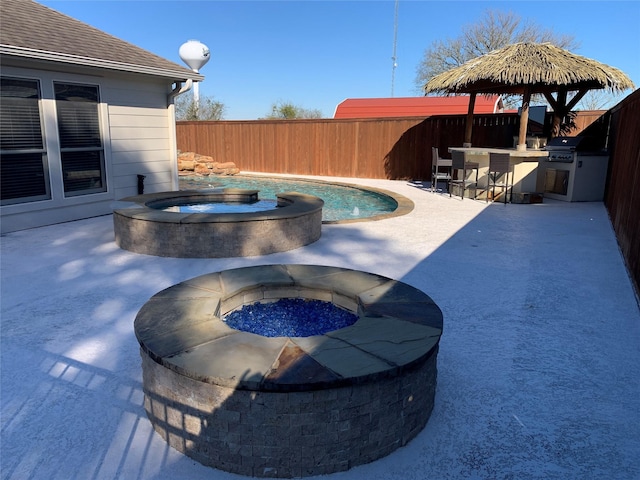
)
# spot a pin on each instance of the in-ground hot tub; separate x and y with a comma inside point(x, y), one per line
point(143, 225)
point(288, 406)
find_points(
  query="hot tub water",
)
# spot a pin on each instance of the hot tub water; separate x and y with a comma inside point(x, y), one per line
point(223, 207)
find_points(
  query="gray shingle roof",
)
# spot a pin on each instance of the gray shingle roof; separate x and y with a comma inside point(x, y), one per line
point(31, 30)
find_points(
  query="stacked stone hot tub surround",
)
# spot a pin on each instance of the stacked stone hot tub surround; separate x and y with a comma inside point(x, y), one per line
point(288, 407)
point(141, 226)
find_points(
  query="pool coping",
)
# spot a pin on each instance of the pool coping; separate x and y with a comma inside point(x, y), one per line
point(404, 204)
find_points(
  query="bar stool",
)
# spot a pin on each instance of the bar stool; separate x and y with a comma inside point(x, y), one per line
point(460, 164)
point(498, 175)
point(440, 169)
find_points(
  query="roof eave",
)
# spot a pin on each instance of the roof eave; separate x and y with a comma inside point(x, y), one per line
point(487, 88)
point(32, 54)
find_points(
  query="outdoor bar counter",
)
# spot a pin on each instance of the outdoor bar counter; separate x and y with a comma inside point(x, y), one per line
point(527, 176)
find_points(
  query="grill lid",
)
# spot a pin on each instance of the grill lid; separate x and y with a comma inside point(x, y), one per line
point(564, 143)
point(571, 144)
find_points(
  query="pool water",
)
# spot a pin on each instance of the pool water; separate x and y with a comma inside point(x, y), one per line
point(290, 317)
point(223, 207)
point(340, 202)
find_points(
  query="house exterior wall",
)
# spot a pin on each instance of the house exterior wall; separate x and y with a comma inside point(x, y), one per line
point(138, 132)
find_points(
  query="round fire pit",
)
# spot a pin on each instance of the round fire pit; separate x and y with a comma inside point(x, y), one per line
point(286, 406)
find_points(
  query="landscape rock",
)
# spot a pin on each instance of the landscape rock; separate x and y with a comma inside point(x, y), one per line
point(201, 169)
point(190, 163)
point(186, 165)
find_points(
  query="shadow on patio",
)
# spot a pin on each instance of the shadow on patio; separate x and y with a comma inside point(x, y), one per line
point(537, 370)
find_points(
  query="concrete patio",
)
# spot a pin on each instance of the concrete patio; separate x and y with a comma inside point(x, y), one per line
point(537, 369)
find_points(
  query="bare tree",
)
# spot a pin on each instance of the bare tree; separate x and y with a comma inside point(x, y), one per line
point(494, 30)
point(600, 100)
point(208, 108)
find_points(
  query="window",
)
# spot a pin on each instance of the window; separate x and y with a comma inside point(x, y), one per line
point(23, 158)
point(81, 151)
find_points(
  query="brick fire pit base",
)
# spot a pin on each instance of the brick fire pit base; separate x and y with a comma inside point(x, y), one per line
point(284, 406)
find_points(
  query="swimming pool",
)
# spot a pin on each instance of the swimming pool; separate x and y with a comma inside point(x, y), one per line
point(341, 202)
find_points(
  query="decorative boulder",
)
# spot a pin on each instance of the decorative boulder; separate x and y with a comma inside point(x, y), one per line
point(204, 165)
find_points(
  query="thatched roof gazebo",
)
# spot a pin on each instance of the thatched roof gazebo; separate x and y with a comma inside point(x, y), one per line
point(527, 69)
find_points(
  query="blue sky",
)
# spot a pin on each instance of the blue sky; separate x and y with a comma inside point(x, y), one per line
point(315, 54)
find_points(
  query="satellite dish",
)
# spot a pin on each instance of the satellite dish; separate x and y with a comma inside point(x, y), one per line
point(194, 54)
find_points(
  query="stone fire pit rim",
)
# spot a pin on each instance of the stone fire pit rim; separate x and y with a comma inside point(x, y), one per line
point(181, 328)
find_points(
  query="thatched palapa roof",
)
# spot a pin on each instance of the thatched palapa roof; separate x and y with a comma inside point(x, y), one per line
point(542, 67)
point(527, 69)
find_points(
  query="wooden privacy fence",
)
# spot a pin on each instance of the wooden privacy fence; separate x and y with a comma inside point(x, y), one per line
point(622, 194)
point(391, 148)
point(398, 148)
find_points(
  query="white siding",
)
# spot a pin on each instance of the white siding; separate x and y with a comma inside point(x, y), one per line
point(119, 119)
point(139, 140)
point(140, 137)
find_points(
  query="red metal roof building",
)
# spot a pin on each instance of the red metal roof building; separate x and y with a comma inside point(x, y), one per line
point(415, 106)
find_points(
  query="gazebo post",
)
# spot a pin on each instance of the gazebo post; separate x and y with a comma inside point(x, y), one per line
point(561, 108)
point(559, 112)
point(524, 120)
point(469, 123)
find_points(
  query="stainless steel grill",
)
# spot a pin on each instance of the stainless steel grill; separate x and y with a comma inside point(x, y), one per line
point(563, 149)
point(575, 170)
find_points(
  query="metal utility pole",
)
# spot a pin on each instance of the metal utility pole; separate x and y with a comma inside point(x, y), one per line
point(395, 42)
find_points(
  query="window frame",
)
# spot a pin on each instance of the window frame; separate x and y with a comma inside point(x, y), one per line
point(69, 180)
point(42, 151)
